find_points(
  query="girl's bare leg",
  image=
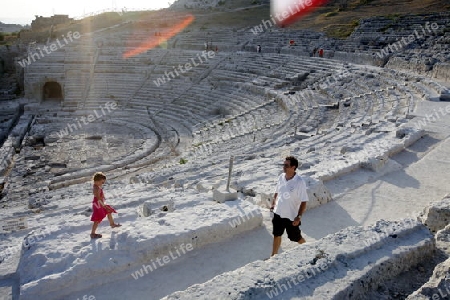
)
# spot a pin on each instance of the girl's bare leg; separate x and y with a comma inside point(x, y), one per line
point(111, 221)
point(94, 227)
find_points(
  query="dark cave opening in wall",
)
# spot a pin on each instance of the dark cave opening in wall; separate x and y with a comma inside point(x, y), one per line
point(52, 91)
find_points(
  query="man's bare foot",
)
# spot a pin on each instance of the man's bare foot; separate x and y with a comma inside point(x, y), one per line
point(302, 241)
point(115, 225)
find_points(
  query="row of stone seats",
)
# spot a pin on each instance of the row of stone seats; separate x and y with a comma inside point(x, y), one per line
point(148, 141)
point(242, 124)
point(410, 96)
point(386, 102)
point(365, 89)
point(282, 66)
point(397, 25)
point(20, 129)
point(305, 109)
point(316, 148)
point(397, 86)
point(231, 130)
point(275, 38)
point(73, 89)
point(208, 98)
point(338, 152)
point(171, 88)
point(425, 91)
point(380, 103)
point(106, 65)
point(9, 115)
point(376, 33)
point(118, 67)
point(180, 90)
point(6, 156)
point(64, 119)
point(325, 139)
point(74, 69)
point(231, 40)
point(106, 87)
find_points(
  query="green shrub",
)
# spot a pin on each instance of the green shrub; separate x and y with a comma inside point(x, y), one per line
point(330, 14)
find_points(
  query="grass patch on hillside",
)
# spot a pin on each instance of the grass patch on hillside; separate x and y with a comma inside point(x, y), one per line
point(340, 31)
point(331, 14)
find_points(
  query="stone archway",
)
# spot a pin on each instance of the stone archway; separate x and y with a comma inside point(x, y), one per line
point(52, 91)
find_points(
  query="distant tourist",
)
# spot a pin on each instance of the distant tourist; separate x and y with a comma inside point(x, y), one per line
point(289, 204)
point(99, 209)
point(258, 49)
point(314, 52)
point(320, 52)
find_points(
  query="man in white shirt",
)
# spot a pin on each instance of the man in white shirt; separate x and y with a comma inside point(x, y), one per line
point(289, 204)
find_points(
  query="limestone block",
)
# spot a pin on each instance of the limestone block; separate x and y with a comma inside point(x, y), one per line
point(206, 185)
point(438, 287)
point(443, 239)
point(441, 71)
point(401, 133)
point(36, 202)
point(436, 215)
point(265, 200)
point(445, 96)
point(201, 187)
point(375, 163)
point(346, 149)
point(149, 208)
point(221, 195)
point(318, 193)
point(145, 210)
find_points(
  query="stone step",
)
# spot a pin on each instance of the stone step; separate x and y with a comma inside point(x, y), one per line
point(345, 265)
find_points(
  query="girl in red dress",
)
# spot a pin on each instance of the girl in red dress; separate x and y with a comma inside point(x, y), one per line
point(99, 209)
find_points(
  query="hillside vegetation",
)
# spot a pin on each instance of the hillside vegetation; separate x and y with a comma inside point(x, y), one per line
point(335, 15)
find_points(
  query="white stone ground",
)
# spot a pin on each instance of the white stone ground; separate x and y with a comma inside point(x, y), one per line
point(63, 250)
point(169, 251)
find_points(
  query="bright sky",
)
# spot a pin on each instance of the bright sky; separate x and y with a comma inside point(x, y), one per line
point(24, 11)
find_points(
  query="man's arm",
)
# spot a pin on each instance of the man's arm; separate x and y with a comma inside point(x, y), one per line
point(298, 218)
point(274, 201)
point(302, 209)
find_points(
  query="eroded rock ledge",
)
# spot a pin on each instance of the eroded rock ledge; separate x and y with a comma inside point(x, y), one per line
point(345, 265)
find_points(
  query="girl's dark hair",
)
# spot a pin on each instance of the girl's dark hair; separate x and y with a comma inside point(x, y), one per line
point(98, 176)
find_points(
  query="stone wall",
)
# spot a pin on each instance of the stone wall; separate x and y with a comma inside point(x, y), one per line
point(437, 217)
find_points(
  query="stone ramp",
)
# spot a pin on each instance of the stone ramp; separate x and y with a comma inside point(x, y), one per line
point(345, 265)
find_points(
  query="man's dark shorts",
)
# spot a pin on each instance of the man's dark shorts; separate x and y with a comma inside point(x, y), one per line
point(280, 224)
